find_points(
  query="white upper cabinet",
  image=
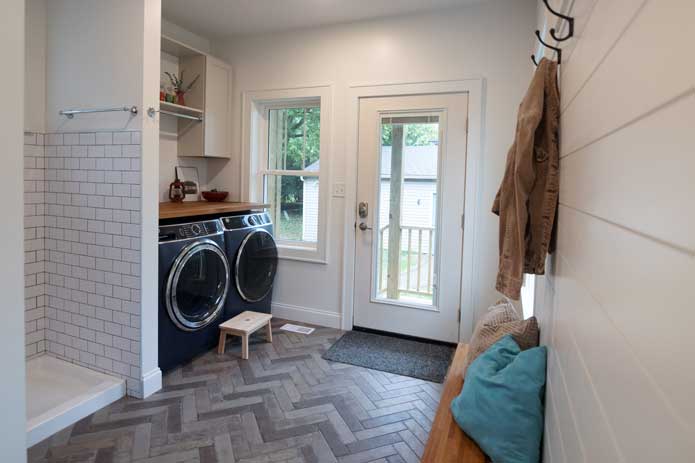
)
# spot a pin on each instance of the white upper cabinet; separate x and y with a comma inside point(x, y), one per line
point(217, 118)
point(203, 128)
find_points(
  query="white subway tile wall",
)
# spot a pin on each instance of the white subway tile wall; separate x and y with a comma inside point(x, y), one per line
point(34, 246)
point(88, 208)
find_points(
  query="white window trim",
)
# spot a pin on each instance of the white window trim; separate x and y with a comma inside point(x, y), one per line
point(528, 295)
point(254, 158)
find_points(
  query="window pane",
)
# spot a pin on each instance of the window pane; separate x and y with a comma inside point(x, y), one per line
point(294, 138)
point(294, 208)
point(407, 208)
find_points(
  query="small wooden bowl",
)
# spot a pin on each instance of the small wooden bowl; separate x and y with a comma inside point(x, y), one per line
point(215, 196)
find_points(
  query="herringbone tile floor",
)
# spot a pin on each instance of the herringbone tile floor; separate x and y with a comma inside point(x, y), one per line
point(285, 404)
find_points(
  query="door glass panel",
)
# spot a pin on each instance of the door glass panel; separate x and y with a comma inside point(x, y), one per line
point(256, 266)
point(201, 286)
point(406, 251)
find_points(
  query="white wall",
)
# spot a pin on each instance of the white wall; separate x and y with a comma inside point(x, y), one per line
point(13, 419)
point(491, 40)
point(94, 59)
point(149, 265)
point(191, 39)
point(617, 310)
point(35, 67)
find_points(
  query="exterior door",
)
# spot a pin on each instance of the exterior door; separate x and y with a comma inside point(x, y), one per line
point(410, 193)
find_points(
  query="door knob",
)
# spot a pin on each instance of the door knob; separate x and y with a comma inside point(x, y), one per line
point(363, 226)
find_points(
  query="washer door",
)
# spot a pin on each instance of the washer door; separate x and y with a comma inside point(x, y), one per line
point(197, 285)
point(256, 264)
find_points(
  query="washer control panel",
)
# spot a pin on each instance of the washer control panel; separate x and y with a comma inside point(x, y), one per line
point(189, 230)
point(237, 222)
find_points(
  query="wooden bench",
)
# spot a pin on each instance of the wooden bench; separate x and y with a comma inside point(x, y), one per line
point(244, 325)
point(447, 443)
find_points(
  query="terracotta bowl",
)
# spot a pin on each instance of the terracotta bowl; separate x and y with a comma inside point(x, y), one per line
point(215, 196)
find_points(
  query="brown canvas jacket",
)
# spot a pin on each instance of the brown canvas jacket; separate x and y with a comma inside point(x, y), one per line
point(527, 198)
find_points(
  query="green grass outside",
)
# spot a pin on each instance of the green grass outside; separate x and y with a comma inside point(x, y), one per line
point(403, 268)
point(291, 226)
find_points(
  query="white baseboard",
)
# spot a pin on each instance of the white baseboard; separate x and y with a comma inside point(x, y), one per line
point(151, 382)
point(307, 315)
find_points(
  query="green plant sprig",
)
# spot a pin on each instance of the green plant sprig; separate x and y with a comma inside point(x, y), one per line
point(178, 83)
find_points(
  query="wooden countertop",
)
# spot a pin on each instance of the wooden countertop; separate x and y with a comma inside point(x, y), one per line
point(171, 210)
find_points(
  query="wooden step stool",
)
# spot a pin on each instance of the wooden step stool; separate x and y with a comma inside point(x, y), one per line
point(244, 324)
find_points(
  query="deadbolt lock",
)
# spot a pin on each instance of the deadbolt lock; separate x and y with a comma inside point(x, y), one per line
point(363, 209)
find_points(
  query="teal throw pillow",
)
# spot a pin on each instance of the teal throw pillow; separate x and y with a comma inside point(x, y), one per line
point(501, 403)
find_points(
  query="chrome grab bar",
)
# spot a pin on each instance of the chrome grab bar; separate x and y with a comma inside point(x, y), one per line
point(70, 113)
point(151, 112)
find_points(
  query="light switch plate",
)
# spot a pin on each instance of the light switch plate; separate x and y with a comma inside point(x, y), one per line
point(339, 190)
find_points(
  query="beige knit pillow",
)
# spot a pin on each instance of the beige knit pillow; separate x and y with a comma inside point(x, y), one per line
point(501, 312)
point(497, 323)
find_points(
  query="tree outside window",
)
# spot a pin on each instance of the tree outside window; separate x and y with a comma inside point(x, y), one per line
point(293, 159)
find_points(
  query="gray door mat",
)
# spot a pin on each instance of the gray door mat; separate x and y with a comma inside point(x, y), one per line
point(417, 359)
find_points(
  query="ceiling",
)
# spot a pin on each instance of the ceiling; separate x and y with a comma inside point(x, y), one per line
point(228, 18)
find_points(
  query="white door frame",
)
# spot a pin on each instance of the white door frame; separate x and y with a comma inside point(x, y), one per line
point(475, 89)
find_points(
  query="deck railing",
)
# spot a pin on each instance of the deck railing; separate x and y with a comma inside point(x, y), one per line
point(416, 260)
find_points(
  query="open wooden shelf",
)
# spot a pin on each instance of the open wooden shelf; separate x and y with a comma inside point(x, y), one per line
point(177, 108)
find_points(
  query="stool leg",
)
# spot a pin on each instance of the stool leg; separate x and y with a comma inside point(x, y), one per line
point(245, 346)
point(269, 333)
point(222, 342)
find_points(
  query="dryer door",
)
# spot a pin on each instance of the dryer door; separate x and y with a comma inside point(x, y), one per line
point(197, 286)
point(256, 264)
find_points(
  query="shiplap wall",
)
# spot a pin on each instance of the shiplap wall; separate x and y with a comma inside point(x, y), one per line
point(616, 308)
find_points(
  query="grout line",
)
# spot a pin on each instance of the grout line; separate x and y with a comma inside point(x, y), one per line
point(689, 252)
point(670, 102)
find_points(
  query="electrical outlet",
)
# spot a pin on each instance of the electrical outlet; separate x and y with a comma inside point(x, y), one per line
point(339, 190)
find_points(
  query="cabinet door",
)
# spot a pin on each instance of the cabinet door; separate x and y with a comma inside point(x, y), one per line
point(218, 95)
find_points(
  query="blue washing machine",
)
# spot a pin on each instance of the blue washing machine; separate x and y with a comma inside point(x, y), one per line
point(253, 257)
point(194, 281)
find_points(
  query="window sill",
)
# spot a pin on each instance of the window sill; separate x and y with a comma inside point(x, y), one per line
point(302, 254)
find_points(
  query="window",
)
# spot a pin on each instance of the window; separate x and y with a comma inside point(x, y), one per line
point(291, 180)
point(287, 151)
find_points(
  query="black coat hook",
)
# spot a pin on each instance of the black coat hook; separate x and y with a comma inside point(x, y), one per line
point(533, 58)
point(570, 21)
point(556, 49)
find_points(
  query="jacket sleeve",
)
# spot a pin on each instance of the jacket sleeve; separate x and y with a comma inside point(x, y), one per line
point(512, 201)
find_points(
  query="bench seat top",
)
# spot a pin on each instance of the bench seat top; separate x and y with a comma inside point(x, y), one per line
point(447, 443)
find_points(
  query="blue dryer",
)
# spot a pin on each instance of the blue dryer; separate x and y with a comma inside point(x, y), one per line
point(253, 256)
point(194, 280)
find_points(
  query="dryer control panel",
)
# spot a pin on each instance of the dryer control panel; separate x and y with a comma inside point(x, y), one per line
point(189, 230)
point(238, 222)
